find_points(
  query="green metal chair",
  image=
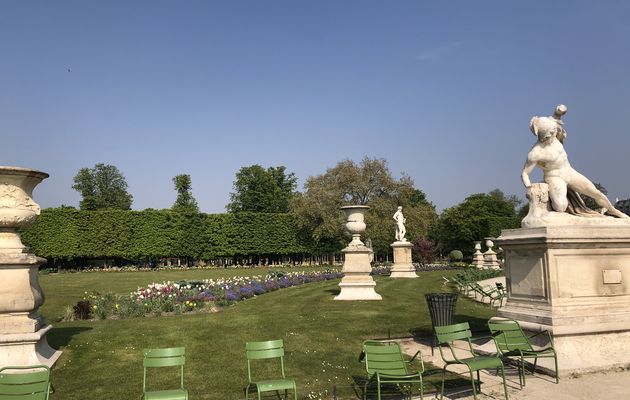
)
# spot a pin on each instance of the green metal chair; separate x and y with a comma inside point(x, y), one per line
point(25, 383)
point(159, 358)
point(271, 349)
point(384, 363)
point(511, 341)
point(494, 294)
point(446, 335)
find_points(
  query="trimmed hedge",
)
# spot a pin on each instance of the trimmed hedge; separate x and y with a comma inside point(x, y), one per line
point(69, 234)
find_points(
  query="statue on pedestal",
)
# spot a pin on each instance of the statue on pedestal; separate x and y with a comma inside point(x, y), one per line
point(400, 225)
point(564, 184)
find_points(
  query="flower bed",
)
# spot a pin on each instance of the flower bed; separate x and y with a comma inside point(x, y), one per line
point(187, 296)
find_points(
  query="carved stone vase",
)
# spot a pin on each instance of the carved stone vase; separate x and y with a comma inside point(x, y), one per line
point(22, 332)
point(355, 223)
point(478, 255)
point(490, 256)
point(357, 283)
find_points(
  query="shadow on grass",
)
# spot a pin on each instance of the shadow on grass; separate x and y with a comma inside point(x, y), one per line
point(333, 291)
point(60, 337)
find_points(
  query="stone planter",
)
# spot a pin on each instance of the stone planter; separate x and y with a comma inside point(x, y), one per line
point(357, 283)
point(22, 332)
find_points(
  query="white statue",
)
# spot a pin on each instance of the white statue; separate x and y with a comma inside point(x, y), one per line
point(400, 225)
point(564, 182)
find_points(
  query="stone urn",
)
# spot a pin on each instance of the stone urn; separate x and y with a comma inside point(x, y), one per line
point(22, 331)
point(478, 260)
point(17, 208)
point(357, 283)
point(490, 256)
point(355, 223)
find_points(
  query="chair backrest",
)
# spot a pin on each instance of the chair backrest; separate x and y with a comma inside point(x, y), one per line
point(448, 333)
point(169, 357)
point(269, 349)
point(508, 335)
point(25, 383)
point(384, 357)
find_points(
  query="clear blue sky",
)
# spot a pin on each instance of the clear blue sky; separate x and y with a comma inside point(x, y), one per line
point(443, 90)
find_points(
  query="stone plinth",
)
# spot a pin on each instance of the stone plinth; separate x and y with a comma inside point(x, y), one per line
point(403, 267)
point(573, 281)
point(490, 260)
point(357, 283)
point(477, 260)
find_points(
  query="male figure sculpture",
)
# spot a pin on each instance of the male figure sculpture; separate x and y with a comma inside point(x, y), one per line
point(549, 154)
point(400, 225)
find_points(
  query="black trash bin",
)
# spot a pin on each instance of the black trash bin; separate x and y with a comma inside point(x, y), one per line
point(441, 307)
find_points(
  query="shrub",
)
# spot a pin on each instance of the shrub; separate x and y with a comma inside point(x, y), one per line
point(83, 310)
point(455, 256)
point(424, 251)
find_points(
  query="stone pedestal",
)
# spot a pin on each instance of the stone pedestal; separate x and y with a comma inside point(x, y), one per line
point(22, 331)
point(403, 267)
point(490, 256)
point(573, 281)
point(357, 283)
point(477, 260)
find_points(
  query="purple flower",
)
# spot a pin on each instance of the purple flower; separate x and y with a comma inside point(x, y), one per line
point(232, 295)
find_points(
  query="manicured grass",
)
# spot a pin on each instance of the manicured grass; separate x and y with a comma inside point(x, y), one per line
point(103, 359)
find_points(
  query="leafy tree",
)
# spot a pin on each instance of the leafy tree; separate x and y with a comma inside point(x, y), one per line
point(478, 216)
point(370, 182)
point(102, 187)
point(185, 202)
point(262, 190)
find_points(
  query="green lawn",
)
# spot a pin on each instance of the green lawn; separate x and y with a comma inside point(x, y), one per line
point(103, 360)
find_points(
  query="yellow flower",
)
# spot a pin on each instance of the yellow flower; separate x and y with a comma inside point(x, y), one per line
point(94, 307)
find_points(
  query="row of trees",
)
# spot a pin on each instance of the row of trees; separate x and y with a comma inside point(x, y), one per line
point(315, 211)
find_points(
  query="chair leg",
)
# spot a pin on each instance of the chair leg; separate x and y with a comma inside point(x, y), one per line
point(443, 377)
point(534, 369)
point(294, 392)
point(555, 360)
point(378, 391)
point(504, 385)
point(523, 370)
point(478, 381)
point(474, 386)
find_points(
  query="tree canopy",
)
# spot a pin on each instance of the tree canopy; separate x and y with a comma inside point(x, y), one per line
point(185, 202)
point(262, 190)
point(102, 187)
point(369, 183)
point(478, 216)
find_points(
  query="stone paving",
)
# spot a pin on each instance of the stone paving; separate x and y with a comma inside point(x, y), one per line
point(614, 384)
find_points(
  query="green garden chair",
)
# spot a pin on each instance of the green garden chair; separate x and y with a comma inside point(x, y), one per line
point(272, 349)
point(511, 341)
point(446, 335)
point(159, 358)
point(25, 383)
point(494, 294)
point(385, 364)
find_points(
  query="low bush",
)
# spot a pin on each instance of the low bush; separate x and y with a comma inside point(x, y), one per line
point(455, 256)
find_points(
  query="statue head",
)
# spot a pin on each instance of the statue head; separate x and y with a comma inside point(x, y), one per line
point(545, 128)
